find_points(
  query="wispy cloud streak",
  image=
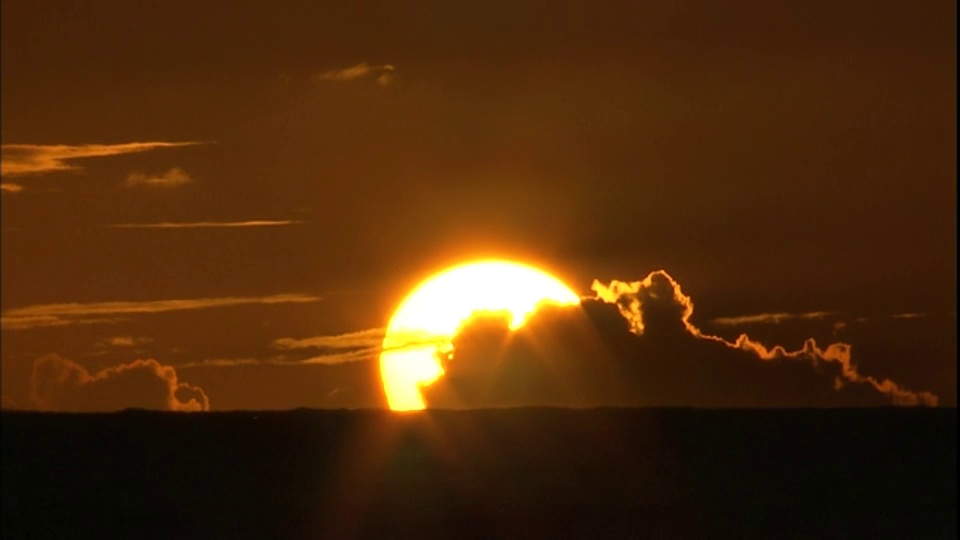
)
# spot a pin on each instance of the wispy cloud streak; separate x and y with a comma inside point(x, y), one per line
point(206, 224)
point(172, 178)
point(47, 321)
point(771, 318)
point(322, 359)
point(363, 345)
point(26, 159)
point(383, 73)
point(43, 315)
point(124, 341)
point(353, 340)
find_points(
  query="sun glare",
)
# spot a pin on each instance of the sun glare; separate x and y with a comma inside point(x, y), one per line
point(428, 318)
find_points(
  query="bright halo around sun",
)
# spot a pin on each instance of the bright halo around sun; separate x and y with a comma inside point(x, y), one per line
point(425, 323)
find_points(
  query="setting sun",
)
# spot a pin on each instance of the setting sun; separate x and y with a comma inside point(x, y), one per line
point(428, 318)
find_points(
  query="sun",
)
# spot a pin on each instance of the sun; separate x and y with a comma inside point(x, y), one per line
point(428, 318)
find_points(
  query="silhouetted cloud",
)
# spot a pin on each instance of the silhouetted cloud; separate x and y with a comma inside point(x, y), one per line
point(172, 178)
point(58, 384)
point(100, 312)
point(383, 73)
point(23, 159)
point(634, 345)
point(206, 224)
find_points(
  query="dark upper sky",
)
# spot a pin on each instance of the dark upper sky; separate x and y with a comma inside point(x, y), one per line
point(774, 157)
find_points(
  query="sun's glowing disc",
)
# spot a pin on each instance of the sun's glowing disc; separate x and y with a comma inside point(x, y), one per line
point(428, 318)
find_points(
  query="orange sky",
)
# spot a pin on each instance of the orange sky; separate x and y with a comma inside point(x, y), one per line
point(214, 185)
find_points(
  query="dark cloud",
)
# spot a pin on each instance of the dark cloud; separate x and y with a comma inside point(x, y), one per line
point(59, 384)
point(634, 345)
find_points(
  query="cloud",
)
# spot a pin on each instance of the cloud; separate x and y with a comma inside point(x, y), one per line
point(25, 159)
point(633, 345)
point(363, 345)
point(660, 286)
point(223, 362)
point(770, 318)
point(58, 384)
point(27, 322)
point(350, 347)
point(335, 349)
point(342, 357)
point(383, 74)
point(43, 315)
point(124, 341)
point(206, 224)
point(10, 187)
point(172, 178)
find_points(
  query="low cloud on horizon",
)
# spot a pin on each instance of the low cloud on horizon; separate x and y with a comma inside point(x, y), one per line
point(59, 384)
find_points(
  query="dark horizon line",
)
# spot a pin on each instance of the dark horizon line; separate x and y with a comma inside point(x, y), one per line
point(524, 408)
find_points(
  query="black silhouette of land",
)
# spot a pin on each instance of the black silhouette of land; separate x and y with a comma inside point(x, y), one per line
point(513, 473)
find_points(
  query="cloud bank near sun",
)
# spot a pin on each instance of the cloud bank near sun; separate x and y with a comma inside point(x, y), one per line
point(30, 159)
point(633, 344)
